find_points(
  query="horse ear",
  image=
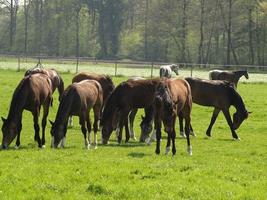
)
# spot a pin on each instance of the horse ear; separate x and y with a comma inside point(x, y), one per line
point(3, 119)
point(52, 123)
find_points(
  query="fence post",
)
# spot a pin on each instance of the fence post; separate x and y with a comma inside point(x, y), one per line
point(116, 67)
point(152, 68)
point(18, 64)
point(191, 70)
point(77, 64)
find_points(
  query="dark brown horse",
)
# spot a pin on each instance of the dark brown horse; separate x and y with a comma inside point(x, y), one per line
point(172, 98)
point(104, 80)
point(126, 97)
point(230, 76)
point(57, 81)
point(32, 92)
point(220, 95)
point(78, 99)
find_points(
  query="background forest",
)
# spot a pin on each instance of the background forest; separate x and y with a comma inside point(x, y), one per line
point(194, 31)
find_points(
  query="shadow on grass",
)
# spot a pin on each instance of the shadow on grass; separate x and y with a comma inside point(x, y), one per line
point(137, 155)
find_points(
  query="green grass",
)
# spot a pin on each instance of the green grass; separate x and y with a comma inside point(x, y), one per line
point(220, 168)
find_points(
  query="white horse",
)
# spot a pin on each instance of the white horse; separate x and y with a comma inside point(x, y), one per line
point(166, 70)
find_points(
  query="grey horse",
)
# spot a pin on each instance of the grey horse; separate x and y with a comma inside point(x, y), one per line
point(166, 70)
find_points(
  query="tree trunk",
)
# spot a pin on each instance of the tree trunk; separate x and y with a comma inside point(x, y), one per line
point(229, 32)
point(200, 48)
point(145, 36)
point(250, 33)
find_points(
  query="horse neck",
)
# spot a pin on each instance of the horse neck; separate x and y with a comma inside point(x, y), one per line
point(60, 86)
point(149, 114)
point(18, 101)
point(237, 101)
point(65, 107)
point(238, 74)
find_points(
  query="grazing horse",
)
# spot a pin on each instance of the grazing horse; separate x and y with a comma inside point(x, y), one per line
point(32, 92)
point(57, 81)
point(230, 76)
point(104, 80)
point(127, 96)
point(166, 70)
point(220, 95)
point(78, 99)
point(172, 98)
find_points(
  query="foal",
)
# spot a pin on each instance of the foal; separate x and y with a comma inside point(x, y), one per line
point(166, 70)
point(172, 98)
point(78, 99)
point(230, 76)
point(32, 92)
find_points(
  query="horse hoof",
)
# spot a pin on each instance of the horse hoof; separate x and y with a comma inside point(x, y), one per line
point(189, 150)
point(43, 146)
point(237, 139)
point(167, 150)
point(95, 147)
point(193, 134)
point(148, 141)
point(16, 147)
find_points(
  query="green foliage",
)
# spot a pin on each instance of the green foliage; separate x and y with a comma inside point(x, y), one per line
point(220, 168)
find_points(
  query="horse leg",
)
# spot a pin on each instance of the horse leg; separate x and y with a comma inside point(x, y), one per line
point(157, 125)
point(82, 123)
point(37, 128)
point(127, 134)
point(212, 121)
point(168, 146)
point(230, 123)
point(180, 115)
point(45, 114)
point(187, 132)
point(97, 114)
point(18, 137)
point(131, 119)
point(70, 121)
point(192, 131)
point(122, 120)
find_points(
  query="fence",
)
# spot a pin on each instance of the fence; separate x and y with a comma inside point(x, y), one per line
point(120, 67)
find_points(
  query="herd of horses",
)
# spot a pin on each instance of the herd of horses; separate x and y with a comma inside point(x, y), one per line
point(163, 99)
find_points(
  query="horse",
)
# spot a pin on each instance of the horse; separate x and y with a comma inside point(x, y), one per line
point(230, 76)
point(220, 95)
point(166, 70)
point(172, 98)
point(32, 92)
point(78, 99)
point(104, 80)
point(127, 96)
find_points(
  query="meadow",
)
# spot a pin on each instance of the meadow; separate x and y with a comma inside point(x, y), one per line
point(220, 168)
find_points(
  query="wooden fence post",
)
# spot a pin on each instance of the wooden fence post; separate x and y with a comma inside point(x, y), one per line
point(191, 70)
point(77, 64)
point(152, 68)
point(116, 67)
point(18, 64)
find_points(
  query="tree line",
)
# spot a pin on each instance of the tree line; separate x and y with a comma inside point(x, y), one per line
point(195, 31)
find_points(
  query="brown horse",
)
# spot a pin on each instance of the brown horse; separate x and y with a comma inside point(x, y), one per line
point(57, 81)
point(78, 99)
point(230, 76)
point(220, 95)
point(32, 92)
point(127, 96)
point(172, 98)
point(104, 80)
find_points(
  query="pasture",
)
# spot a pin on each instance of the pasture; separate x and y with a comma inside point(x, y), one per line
point(220, 168)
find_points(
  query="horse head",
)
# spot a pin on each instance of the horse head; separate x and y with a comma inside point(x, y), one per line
point(10, 130)
point(108, 125)
point(165, 105)
point(58, 131)
point(175, 69)
point(146, 128)
point(239, 117)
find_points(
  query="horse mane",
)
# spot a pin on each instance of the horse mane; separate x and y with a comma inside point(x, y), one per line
point(111, 104)
point(64, 103)
point(18, 102)
point(235, 98)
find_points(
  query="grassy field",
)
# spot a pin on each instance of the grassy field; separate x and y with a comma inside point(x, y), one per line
point(220, 168)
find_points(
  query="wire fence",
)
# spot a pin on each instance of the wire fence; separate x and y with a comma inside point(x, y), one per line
point(121, 67)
